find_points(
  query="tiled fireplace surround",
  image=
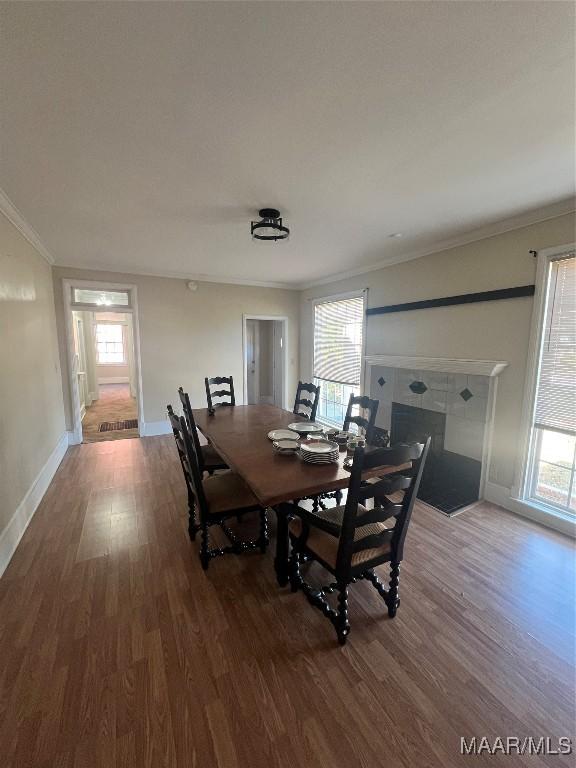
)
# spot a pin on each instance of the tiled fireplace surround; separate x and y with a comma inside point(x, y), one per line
point(454, 399)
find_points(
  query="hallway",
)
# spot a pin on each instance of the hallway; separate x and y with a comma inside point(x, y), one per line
point(115, 404)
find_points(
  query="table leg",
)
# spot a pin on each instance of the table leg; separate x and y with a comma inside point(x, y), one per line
point(281, 559)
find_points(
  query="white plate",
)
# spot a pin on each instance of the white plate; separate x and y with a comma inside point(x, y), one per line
point(283, 434)
point(303, 427)
point(285, 446)
point(320, 447)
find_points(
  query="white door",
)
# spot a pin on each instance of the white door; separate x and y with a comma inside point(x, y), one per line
point(252, 365)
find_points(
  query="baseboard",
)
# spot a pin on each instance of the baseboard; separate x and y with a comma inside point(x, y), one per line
point(11, 535)
point(114, 380)
point(73, 438)
point(500, 495)
point(155, 428)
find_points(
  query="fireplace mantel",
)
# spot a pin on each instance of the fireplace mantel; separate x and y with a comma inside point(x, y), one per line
point(441, 364)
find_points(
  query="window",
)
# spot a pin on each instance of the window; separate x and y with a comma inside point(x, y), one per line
point(110, 347)
point(338, 341)
point(552, 460)
point(100, 298)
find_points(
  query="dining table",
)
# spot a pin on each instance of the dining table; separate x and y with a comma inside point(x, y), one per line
point(240, 435)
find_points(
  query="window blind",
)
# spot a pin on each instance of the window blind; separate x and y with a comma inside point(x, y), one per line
point(556, 393)
point(338, 340)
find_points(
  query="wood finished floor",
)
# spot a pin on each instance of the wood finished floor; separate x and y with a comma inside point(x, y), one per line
point(117, 650)
point(114, 404)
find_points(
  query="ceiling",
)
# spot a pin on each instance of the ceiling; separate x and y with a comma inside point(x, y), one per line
point(144, 137)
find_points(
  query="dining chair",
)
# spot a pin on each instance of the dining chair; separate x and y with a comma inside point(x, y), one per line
point(350, 541)
point(217, 499)
point(225, 396)
point(307, 406)
point(365, 422)
point(208, 457)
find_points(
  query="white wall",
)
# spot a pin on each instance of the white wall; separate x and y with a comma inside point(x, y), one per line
point(490, 331)
point(32, 429)
point(185, 336)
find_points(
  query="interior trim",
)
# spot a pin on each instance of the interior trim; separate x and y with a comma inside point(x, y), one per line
point(12, 213)
point(442, 364)
point(11, 535)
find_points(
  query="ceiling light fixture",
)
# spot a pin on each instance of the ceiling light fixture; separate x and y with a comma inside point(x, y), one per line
point(270, 227)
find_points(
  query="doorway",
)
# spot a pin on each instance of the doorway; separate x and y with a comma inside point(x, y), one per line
point(104, 361)
point(265, 360)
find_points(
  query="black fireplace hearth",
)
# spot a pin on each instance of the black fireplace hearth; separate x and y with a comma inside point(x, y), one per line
point(450, 481)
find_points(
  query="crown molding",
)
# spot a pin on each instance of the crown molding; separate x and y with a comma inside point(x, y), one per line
point(176, 275)
point(12, 213)
point(553, 211)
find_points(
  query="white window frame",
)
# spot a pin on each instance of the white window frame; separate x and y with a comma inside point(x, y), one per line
point(360, 293)
point(124, 345)
point(521, 490)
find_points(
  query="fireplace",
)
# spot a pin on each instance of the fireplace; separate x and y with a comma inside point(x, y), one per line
point(450, 481)
point(453, 402)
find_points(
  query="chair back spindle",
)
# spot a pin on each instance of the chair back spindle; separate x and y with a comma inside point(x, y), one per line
point(225, 396)
point(306, 401)
point(191, 424)
point(364, 422)
point(189, 461)
point(384, 509)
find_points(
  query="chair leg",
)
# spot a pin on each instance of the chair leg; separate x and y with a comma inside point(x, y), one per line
point(342, 625)
point(294, 570)
point(192, 528)
point(263, 538)
point(191, 516)
point(393, 599)
point(338, 497)
point(204, 554)
point(375, 581)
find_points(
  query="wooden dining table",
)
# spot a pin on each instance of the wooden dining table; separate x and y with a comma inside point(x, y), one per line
point(240, 435)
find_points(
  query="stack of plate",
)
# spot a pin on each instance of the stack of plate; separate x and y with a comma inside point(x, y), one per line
point(319, 452)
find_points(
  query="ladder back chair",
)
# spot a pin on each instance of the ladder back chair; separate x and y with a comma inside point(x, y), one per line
point(365, 422)
point(306, 405)
point(350, 541)
point(208, 457)
point(225, 396)
point(217, 499)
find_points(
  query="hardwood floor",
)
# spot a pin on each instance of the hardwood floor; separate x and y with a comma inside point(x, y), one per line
point(117, 650)
point(114, 404)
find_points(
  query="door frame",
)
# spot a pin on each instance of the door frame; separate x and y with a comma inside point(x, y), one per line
point(256, 352)
point(75, 437)
point(277, 318)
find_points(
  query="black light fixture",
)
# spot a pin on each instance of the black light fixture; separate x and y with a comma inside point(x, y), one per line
point(270, 227)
